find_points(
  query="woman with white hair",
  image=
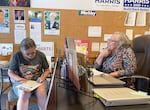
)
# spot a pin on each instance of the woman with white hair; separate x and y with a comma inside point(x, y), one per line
point(53, 24)
point(118, 59)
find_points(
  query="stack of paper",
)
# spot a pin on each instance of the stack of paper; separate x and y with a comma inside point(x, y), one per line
point(29, 85)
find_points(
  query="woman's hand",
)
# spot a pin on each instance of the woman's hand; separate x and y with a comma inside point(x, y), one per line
point(40, 79)
point(114, 74)
point(21, 80)
point(117, 73)
point(102, 55)
point(105, 53)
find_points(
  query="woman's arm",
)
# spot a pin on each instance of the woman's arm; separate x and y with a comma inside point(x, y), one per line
point(99, 60)
point(44, 75)
point(129, 64)
point(15, 76)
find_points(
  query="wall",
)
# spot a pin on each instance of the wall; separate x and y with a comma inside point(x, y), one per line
point(76, 26)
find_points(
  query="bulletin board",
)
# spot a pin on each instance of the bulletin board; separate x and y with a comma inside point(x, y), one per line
point(73, 25)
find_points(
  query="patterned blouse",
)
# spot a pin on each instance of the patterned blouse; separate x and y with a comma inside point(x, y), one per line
point(123, 62)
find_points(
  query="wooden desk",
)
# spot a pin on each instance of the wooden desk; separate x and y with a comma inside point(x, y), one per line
point(65, 97)
point(70, 100)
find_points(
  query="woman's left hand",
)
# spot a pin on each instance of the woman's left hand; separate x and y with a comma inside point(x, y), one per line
point(114, 74)
point(40, 79)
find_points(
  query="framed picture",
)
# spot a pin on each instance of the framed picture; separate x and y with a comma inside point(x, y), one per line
point(17, 3)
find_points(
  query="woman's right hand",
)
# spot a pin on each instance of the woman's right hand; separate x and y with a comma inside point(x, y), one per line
point(102, 55)
point(105, 53)
point(21, 80)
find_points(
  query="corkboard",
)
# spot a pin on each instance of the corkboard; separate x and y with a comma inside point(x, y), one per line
point(73, 25)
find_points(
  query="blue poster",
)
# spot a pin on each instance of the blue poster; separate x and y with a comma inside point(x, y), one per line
point(136, 5)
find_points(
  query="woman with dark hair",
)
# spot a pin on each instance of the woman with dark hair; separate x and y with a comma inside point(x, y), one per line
point(29, 64)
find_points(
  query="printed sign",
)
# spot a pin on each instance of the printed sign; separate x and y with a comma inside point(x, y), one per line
point(136, 5)
point(46, 47)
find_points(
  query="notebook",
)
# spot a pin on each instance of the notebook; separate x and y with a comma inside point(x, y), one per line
point(121, 96)
point(29, 85)
point(103, 79)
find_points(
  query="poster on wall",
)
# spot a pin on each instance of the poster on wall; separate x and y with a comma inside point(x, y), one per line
point(35, 19)
point(17, 3)
point(141, 19)
point(62, 4)
point(35, 16)
point(19, 16)
point(130, 19)
point(46, 47)
point(35, 31)
point(105, 5)
point(4, 21)
point(82, 46)
point(94, 31)
point(51, 23)
point(19, 32)
point(111, 5)
point(136, 5)
point(6, 48)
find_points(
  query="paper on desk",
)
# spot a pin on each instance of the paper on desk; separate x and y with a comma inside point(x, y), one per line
point(141, 93)
point(95, 72)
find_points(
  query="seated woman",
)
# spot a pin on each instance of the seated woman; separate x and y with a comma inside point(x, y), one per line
point(29, 64)
point(118, 59)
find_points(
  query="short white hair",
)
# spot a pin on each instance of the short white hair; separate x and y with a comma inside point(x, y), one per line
point(53, 14)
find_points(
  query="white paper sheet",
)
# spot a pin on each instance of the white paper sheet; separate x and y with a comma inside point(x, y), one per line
point(107, 36)
point(141, 19)
point(20, 34)
point(94, 31)
point(95, 46)
point(103, 45)
point(129, 33)
point(35, 31)
point(130, 19)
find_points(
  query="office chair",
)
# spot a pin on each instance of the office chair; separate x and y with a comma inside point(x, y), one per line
point(140, 81)
point(4, 63)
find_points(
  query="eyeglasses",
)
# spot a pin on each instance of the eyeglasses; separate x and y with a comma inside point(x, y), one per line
point(110, 40)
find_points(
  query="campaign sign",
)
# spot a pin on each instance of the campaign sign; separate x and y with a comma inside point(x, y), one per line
point(136, 5)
